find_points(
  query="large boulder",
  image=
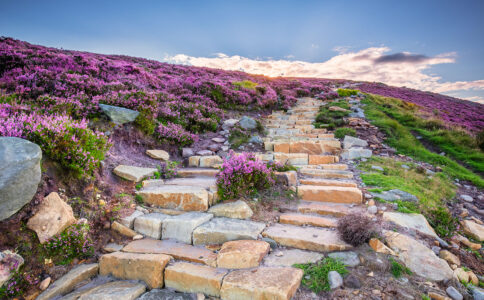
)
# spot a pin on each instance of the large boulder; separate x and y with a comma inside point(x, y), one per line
point(119, 115)
point(247, 123)
point(19, 174)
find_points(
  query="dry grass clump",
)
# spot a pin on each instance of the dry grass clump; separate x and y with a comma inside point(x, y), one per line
point(356, 228)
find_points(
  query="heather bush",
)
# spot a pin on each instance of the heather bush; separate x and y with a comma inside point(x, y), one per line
point(72, 243)
point(243, 174)
point(167, 170)
point(357, 228)
point(175, 134)
point(16, 286)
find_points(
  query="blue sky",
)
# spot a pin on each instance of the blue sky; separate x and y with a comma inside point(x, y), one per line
point(439, 45)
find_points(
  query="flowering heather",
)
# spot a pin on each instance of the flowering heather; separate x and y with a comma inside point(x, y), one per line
point(71, 243)
point(467, 114)
point(175, 133)
point(243, 174)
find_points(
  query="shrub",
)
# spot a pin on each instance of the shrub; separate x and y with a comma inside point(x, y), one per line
point(242, 175)
point(316, 275)
point(18, 284)
point(347, 92)
point(238, 136)
point(398, 269)
point(344, 131)
point(167, 170)
point(442, 221)
point(356, 228)
point(175, 134)
point(71, 243)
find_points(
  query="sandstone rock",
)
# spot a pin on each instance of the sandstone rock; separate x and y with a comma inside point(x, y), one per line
point(322, 159)
point(379, 247)
point(19, 174)
point(461, 275)
point(303, 219)
point(187, 198)
point(52, 217)
point(119, 115)
point(247, 123)
point(465, 241)
point(9, 262)
point(449, 257)
point(187, 152)
point(261, 283)
point(116, 290)
point(336, 194)
point(350, 142)
point(123, 230)
point(288, 178)
point(194, 161)
point(337, 108)
point(191, 278)
point(335, 280)
point(473, 229)
point(355, 153)
point(112, 247)
point(174, 249)
point(290, 257)
point(437, 296)
point(150, 224)
point(348, 258)
point(291, 158)
point(44, 284)
point(180, 227)
point(128, 221)
point(242, 254)
point(473, 278)
point(418, 258)
point(220, 230)
point(235, 210)
point(157, 294)
point(207, 183)
point(306, 238)
point(132, 173)
point(210, 161)
point(158, 154)
point(146, 267)
point(204, 152)
point(66, 283)
point(413, 221)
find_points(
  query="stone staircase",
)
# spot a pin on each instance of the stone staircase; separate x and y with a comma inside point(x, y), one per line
point(193, 248)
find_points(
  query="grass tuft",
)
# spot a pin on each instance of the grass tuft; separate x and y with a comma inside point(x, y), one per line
point(316, 275)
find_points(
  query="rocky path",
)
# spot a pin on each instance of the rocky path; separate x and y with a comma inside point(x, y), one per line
point(184, 242)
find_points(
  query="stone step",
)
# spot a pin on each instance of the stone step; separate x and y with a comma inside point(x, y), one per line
point(331, 166)
point(119, 290)
point(327, 182)
point(322, 159)
point(211, 161)
point(180, 197)
point(311, 147)
point(221, 230)
point(135, 266)
point(197, 172)
point(326, 173)
point(291, 158)
point(336, 194)
point(306, 238)
point(176, 250)
point(325, 208)
point(208, 183)
point(132, 173)
point(180, 228)
point(303, 219)
point(277, 283)
point(242, 254)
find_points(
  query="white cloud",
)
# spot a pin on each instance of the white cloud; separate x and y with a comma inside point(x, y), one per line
point(371, 64)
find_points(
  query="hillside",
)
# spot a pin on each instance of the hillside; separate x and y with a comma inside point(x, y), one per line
point(217, 183)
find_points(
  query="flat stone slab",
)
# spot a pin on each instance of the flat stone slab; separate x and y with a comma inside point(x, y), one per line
point(321, 208)
point(322, 159)
point(132, 173)
point(336, 194)
point(116, 290)
point(221, 230)
point(418, 258)
point(413, 221)
point(119, 115)
point(349, 258)
point(303, 219)
point(191, 278)
point(262, 283)
point(326, 173)
point(128, 221)
point(242, 254)
point(235, 210)
point(180, 227)
point(181, 197)
point(197, 172)
point(157, 294)
point(395, 194)
point(288, 258)
point(176, 250)
point(68, 282)
point(150, 224)
point(137, 266)
point(158, 154)
point(306, 238)
point(208, 183)
point(473, 229)
point(327, 182)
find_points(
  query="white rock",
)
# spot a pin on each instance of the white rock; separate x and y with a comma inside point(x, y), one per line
point(335, 280)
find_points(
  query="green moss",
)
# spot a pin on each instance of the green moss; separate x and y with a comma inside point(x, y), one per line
point(347, 92)
point(398, 269)
point(247, 84)
point(344, 131)
point(316, 275)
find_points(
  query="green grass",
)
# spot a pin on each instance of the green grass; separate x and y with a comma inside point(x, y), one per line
point(340, 133)
point(247, 84)
point(332, 119)
point(347, 92)
point(399, 119)
point(398, 269)
point(238, 136)
point(316, 275)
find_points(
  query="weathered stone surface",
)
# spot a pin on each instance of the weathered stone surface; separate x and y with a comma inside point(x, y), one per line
point(394, 195)
point(119, 115)
point(138, 266)
point(195, 172)
point(208, 183)
point(66, 283)
point(157, 294)
point(350, 142)
point(19, 174)
point(180, 227)
point(116, 290)
point(132, 173)
point(261, 283)
point(52, 217)
point(307, 238)
point(128, 221)
point(210, 161)
point(247, 123)
point(112, 247)
point(291, 257)
point(194, 161)
point(453, 293)
point(8, 260)
point(473, 229)
point(177, 250)
point(191, 278)
point(332, 209)
point(335, 194)
point(379, 247)
point(412, 221)
point(340, 174)
point(322, 159)
point(335, 280)
point(158, 154)
point(449, 257)
point(221, 230)
point(349, 258)
point(235, 210)
point(355, 153)
point(418, 258)
point(327, 182)
point(303, 219)
point(242, 254)
point(291, 158)
point(181, 197)
point(150, 224)
point(121, 229)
